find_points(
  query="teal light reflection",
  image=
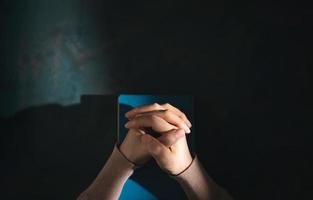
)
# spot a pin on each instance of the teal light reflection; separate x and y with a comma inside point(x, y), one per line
point(133, 190)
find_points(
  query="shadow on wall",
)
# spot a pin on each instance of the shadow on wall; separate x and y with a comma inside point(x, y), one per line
point(54, 152)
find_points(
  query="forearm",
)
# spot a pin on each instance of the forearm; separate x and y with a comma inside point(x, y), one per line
point(111, 179)
point(198, 185)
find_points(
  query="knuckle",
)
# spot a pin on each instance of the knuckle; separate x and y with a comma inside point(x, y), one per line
point(167, 105)
point(154, 118)
point(181, 124)
point(155, 105)
point(183, 115)
point(133, 110)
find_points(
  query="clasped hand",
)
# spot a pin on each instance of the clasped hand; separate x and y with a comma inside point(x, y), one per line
point(170, 149)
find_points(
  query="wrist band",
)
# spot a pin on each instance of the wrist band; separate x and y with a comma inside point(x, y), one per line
point(135, 164)
point(184, 169)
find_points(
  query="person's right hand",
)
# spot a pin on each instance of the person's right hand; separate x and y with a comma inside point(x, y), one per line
point(174, 159)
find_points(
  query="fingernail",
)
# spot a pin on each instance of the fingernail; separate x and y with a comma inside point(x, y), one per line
point(186, 128)
point(127, 125)
point(189, 123)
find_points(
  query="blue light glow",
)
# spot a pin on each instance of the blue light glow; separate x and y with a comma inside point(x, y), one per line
point(133, 190)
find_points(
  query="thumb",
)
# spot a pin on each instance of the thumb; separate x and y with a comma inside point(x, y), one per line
point(154, 147)
point(171, 137)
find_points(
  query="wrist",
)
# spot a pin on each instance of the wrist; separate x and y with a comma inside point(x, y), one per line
point(119, 162)
point(123, 152)
point(183, 166)
point(116, 167)
point(137, 158)
point(112, 177)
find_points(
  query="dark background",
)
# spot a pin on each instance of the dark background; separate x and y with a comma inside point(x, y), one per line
point(248, 64)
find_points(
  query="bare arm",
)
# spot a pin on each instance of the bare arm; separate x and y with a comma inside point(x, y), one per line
point(110, 180)
point(197, 184)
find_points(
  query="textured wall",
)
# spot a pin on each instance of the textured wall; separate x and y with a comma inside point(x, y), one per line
point(54, 51)
point(249, 65)
point(50, 53)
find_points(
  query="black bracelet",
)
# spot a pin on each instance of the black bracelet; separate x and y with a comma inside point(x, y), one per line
point(135, 164)
point(184, 169)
